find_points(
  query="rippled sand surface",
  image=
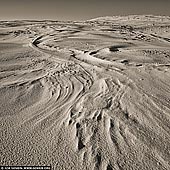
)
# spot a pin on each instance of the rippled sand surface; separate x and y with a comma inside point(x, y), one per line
point(91, 95)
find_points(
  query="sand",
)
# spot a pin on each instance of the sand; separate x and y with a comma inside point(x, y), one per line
point(92, 95)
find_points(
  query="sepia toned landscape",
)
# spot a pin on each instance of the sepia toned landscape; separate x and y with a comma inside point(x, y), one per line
point(86, 95)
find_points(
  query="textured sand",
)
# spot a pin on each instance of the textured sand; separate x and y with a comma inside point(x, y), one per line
point(91, 95)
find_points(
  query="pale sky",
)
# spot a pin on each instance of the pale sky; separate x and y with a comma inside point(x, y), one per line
point(78, 9)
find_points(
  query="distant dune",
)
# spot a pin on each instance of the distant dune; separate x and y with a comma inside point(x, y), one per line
point(92, 95)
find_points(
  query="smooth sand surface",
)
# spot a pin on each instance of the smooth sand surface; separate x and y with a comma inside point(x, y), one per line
point(91, 95)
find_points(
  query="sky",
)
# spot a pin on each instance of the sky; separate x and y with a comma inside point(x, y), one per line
point(79, 9)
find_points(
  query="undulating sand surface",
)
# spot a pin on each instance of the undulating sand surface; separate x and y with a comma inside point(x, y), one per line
point(91, 95)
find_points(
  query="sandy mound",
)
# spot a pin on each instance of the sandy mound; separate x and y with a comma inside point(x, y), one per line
point(86, 95)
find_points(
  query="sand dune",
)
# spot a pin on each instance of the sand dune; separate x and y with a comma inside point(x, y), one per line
point(86, 95)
